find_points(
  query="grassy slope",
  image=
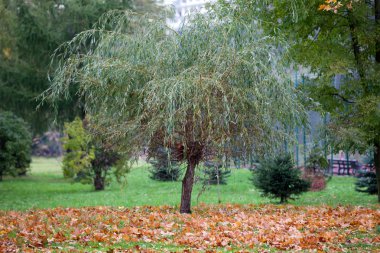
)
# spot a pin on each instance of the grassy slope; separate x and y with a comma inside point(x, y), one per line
point(45, 188)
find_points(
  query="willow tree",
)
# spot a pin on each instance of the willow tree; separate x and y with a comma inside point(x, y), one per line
point(216, 84)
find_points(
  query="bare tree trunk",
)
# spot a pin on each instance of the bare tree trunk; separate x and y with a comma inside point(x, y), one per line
point(187, 186)
point(218, 183)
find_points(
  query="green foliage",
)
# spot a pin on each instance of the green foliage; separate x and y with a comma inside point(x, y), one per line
point(121, 168)
point(15, 145)
point(277, 178)
point(164, 168)
point(214, 174)
point(219, 78)
point(30, 31)
point(216, 82)
point(366, 182)
point(88, 159)
point(329, 45)
point(316, 160)
point(79, 153)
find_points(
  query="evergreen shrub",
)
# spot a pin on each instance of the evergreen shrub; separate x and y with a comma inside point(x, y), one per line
point(278, 178)
point(15, 145)
point(163, 167)
point(215, 174)
point(366, 182)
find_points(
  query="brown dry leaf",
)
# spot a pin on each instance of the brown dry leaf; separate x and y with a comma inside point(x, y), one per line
point(209, 228)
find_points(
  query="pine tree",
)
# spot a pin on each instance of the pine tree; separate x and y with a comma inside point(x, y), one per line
point(215, 174)
point(163, 168)
point(278, 178)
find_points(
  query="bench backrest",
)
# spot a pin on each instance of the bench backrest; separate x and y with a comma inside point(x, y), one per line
point(351, 164)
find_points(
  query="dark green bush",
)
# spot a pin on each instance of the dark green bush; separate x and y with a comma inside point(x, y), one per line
point(277, 178)
point(366, 182)
point(101, 165)
point(215, 174)
point(163, 168)
point(15, 145)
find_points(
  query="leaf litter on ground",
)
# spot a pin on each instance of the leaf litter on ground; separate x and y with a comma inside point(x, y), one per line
point(210, 228)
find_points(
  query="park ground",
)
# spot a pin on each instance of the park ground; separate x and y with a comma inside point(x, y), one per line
point(44, 212)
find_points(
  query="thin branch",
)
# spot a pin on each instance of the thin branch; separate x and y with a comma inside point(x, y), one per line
point(343, 98)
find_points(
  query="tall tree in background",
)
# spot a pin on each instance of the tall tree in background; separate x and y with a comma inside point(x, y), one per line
point(335, 38)
point(218, 83)
point(30, 31)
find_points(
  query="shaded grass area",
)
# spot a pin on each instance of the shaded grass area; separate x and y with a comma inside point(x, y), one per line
point(45, 187)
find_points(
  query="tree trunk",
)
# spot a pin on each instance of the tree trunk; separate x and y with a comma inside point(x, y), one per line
point(377, 167)
point(187, 186)
point(99, 182)
point(356, 48)
point(377, 20)
point(377, 141)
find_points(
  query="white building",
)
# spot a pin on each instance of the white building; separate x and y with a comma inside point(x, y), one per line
point(183, 8)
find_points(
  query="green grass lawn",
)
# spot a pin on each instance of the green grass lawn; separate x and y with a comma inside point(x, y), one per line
point(45, 187)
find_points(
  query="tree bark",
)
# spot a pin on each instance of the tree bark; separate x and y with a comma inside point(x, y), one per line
point(356, 48)
point(187, 186)
point(377, 20)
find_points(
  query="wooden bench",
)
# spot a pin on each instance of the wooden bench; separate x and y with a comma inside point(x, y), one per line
point(345, 166)
point(369, 167)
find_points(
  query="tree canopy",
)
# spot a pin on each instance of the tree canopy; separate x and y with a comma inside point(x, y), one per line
point(29, 33)
point(217, 83)
point(335, 39)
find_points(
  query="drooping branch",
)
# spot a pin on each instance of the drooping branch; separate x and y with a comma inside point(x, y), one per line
point(343, 98)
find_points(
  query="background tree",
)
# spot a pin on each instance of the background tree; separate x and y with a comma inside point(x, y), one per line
point(29, 33)
point(163, 168)
point(101, 165)
point(15, 145)
point(78, 151)
point(335, 39)
point(89, 159)
point(216, 82)
point(214, 173)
